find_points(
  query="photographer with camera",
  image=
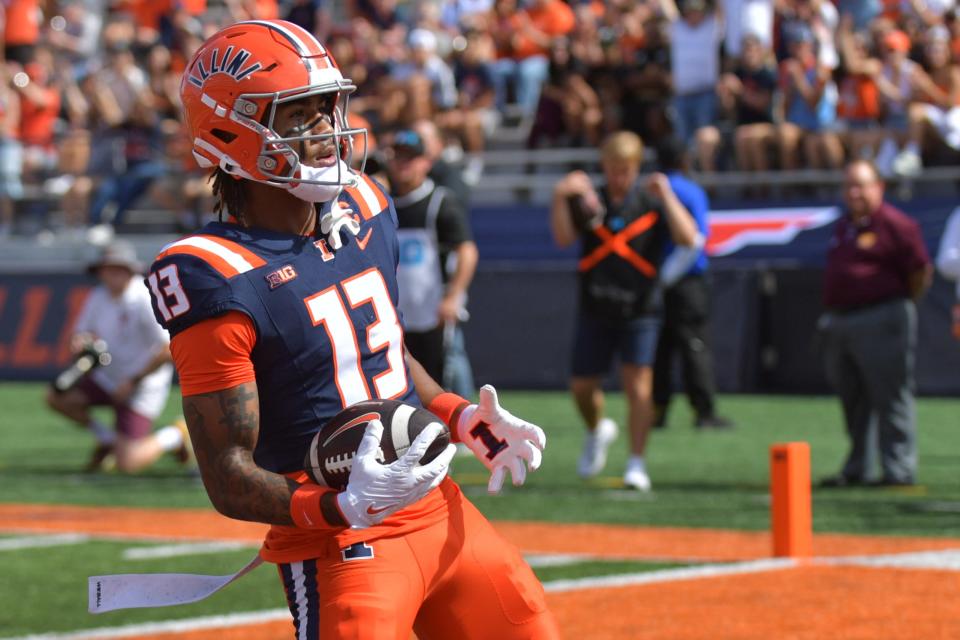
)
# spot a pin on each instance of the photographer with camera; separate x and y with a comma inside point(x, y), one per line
point(122, 360)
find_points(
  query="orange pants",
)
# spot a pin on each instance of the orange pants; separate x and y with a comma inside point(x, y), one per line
point(456, 579)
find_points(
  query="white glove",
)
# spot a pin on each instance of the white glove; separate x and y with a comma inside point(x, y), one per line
point(333, 221)
point(500, 440)
point(375, 490)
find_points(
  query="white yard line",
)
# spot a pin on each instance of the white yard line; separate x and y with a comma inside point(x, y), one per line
point(943, 560)
point(556, 559)
point(185, 549)
point(174, 626)
point(34, 542)
point(554, 586)
point(668, 575)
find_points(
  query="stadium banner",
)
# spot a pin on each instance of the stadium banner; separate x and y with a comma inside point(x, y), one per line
point(734, 229)
point(766, 270)
point(37, 313)
point(740, 237)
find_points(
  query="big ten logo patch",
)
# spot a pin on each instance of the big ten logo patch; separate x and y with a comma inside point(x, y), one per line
point(283, 275)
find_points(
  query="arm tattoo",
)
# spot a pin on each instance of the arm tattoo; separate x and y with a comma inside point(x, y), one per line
point(224, 426)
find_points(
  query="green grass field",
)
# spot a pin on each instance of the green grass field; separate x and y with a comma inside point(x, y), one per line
point(709, 479)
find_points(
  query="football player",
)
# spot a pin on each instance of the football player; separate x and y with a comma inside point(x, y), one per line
point(284, 313)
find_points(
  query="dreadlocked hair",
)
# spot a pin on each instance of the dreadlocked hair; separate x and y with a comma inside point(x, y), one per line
point(230, 195)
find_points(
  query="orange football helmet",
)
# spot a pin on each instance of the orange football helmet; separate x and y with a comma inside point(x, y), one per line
point(230, 92)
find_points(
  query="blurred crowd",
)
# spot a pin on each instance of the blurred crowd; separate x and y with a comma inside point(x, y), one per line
point(90, 120)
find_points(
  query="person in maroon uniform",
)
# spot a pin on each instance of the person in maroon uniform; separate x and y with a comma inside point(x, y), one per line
point(877, 267)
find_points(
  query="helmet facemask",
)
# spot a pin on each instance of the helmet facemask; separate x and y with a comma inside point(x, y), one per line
point(279, 162)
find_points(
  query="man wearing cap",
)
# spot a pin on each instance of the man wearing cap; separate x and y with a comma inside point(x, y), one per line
point(425, 82)
point(136, 383)
point(877, 267)
point(437, 254)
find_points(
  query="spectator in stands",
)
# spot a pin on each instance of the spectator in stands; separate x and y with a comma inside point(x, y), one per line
point(21, 29)
point(861, 12)
point(136, 383)
point(686, 305)
point(253, 9)
point(948, 263)
point(475, 116)
point(809, 106)
point(466, 15)
point(523, 48)
point(364, 74)
point(380, 14)
point(11, 151)
point(925, 14)
point(312, 15)
point(433, 231)
point(129, 156)
point(821, 18)
point(937, 114)
point(134, 171)
point(163, 84)
point(40, 101)
point(695, 35)
point(746, 19)
point(425, 81)
point(858, 100)
point(74, 36)
point(636, 92)
point(748, 93)
point(877, 268)
point(569, 108)
point(623, 228)
point(901, 81)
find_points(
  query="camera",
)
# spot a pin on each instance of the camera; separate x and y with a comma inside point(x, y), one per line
point(93, 355)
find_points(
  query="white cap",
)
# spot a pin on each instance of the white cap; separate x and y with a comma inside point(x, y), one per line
point(423, 39)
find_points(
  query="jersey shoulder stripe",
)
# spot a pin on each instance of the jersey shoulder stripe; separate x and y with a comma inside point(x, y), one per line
point(228, 258)
point(369, 196)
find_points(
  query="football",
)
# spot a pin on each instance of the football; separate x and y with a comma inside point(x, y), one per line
point(330, 456)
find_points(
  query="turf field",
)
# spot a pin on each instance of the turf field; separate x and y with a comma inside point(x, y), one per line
point(702, 481)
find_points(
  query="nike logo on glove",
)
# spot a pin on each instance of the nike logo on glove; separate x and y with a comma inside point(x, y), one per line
point(374, 510)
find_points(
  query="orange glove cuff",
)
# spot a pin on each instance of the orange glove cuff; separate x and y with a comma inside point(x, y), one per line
point(448, 407)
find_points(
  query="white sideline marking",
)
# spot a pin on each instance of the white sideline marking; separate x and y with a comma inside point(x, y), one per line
point(186, 549)
point(668, 575)
point(175, 626)
point(945, 560)
point(33, 542)
point(555, 559)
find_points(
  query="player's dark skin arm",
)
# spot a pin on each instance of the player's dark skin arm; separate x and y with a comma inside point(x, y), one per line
point(427, 388)
point(224, 426)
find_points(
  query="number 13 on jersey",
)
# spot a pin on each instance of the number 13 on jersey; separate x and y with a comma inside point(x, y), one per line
point(327, 308)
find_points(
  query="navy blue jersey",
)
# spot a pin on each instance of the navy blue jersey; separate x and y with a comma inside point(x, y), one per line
point(328, 332)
